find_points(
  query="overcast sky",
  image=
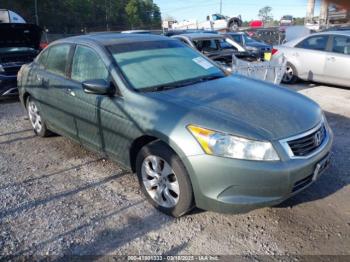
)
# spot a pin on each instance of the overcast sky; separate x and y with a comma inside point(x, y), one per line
point(198, 9)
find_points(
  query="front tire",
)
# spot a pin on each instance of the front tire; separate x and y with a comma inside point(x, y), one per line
point(38, 124)
point(164, 180)
point(290, 76)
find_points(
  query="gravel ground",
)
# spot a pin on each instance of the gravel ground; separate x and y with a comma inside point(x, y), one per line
point(56, 198)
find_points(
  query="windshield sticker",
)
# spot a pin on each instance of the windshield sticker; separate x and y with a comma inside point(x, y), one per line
point(202, 62)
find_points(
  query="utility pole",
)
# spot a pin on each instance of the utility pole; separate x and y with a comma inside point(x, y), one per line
point(324, 13)
point(220, 7)
point(310, 10)
point(36, 12)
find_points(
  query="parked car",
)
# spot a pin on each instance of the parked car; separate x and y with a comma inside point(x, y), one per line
point(194, 135)
point(320, 57)
point(19, 44)
point(189, 31)
point(217, 47)
point(137, 32)
point(258, 48)
point(213, 22)
point(287, 20)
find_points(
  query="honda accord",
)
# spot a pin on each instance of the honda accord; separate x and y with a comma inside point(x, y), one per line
point(194, 135)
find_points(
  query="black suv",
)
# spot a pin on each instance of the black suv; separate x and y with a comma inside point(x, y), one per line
point(19, 44)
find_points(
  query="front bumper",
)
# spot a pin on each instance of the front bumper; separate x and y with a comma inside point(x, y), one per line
point(238, 186)
point(8, 85)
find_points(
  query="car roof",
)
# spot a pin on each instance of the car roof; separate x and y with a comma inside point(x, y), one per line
point(340, 32)
point(109, 38)
point(196, 36)
point(235, 33)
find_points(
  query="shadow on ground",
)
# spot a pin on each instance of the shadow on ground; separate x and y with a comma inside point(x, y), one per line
point(334, 179)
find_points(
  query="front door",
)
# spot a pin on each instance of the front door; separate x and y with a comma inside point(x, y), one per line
point(311, 53)
point(338, 61)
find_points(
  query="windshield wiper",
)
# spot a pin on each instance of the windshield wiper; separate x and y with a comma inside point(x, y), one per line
point(182, 83)
point(208, 78)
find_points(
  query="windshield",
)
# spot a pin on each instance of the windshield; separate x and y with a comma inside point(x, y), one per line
point(287, 17)
point(151, 64)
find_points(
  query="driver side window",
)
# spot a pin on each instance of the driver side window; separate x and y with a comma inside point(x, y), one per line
point(87, 65)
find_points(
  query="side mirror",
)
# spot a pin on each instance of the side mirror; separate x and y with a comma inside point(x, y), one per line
point(98, 87)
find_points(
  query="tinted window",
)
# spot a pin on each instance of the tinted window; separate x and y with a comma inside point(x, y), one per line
point(206, 45)
point(341, 45)
point(87, 65)
point(43, 57)
point(314, 43)
point(225, 45)
point(237, 38)
point(154, 63)
point(57, 59)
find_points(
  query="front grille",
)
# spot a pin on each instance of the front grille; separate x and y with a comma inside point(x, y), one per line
point(306, 145)
point(11, 70)
point(17, 59)
point(302, 183)
point(265, 49)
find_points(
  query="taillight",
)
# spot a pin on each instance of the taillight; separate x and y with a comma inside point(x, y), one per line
point(274, 51)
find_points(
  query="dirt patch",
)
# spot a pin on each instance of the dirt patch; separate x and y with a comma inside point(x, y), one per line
point(57, 198)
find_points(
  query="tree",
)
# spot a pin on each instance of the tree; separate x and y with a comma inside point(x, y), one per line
point(132, 10)
point(75, 16)
point(265, 15)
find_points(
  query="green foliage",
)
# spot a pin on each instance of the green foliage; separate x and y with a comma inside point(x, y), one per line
point(299, 20)
point(265, 14)
point(74, 16)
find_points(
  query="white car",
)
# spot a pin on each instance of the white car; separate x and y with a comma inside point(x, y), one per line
point(321, 57)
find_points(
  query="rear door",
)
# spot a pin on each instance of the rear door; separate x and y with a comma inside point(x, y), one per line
point(311, 56)
point(338, 61)
point(53, 82)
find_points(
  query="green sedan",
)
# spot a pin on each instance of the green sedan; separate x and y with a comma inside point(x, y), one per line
point(194, 135)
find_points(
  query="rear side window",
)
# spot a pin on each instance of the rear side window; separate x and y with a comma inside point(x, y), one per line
point(87, 65)
point(341, 45)
point(42, 59)
point(314, 43)
point(206, 45)
point(57, 59)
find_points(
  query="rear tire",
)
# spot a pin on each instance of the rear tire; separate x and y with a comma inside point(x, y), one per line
point(290, 76)
point(37, 122)
point(164, 179)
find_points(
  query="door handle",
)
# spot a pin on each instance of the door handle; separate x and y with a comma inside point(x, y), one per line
point(70, 92)
point(45, 82)
point(331, 58)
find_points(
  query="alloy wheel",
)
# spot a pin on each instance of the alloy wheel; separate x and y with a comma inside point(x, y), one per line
point(160, 181)
point(34, 117)
point(288, 75)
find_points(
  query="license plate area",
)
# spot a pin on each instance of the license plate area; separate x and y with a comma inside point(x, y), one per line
point(321, 167)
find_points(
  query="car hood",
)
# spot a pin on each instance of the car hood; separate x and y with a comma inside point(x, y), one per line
point(237, 104)
point(20, 35)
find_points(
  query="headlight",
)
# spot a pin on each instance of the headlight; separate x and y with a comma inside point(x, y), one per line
point(1, 69)
point(220, 144)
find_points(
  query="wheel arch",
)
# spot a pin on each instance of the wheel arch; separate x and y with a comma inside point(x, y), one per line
point(146, 139)
point(25, 97)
